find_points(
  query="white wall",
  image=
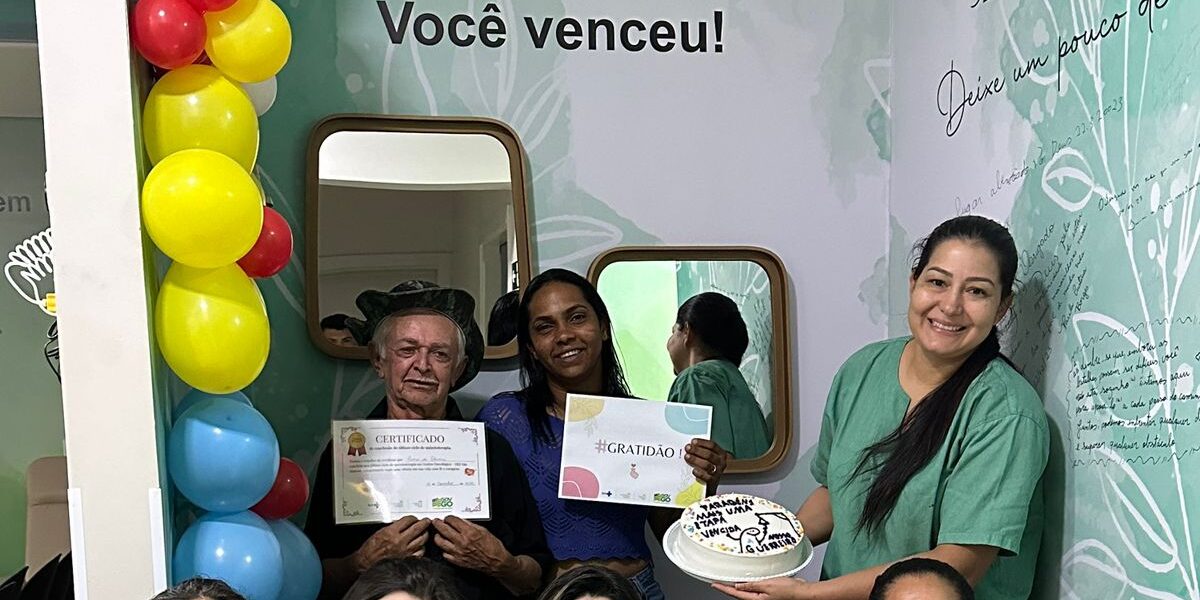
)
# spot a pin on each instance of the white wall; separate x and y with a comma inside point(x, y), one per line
point(360, 227)
point(108, 400)
point(414, 159)
point(478, 216)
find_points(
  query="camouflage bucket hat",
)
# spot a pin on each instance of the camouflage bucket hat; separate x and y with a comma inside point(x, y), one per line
point(455, 304)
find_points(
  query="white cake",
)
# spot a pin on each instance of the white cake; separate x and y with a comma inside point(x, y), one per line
point(739, 536)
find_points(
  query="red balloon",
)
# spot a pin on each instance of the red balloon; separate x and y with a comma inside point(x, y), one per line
point(287, 495)
point(272, 250)
point(211, 5)
point(168, 33)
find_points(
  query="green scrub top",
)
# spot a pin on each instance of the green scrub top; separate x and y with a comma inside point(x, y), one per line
point(983, 487)
point(737, 421)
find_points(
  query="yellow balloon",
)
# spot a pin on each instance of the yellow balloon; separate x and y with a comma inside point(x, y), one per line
point(201, 208)
point(249, 41)
point(198, 107)
point(212, 327)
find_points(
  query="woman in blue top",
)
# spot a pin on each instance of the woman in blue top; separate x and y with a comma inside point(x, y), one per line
point(565, 345)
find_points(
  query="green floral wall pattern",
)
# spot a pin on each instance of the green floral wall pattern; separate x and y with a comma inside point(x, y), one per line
point(1077, 123)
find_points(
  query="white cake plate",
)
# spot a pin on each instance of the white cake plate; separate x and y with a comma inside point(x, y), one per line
point(673, 538)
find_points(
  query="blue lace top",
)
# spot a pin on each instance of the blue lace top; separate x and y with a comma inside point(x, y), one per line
point(575, 529)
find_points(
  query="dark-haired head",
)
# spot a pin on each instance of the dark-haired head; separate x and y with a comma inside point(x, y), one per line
point(199, 588)
point(335, 330)
point(564, 335)
point(334, 321)
point(973, 229)
point(420, 578)
point(502, 323)
point(923, 578)
point(708, 325)
point(590, 581)
point(961, 286)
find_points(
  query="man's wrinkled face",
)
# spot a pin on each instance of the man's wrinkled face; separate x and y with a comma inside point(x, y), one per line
point(419, 363)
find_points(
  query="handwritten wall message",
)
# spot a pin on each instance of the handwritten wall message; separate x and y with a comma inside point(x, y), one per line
point(1121, 397)
point(1123, 391)
point(957, 94)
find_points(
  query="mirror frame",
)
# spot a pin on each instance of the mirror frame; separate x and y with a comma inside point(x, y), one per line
point(518, 170)
point(781, 372)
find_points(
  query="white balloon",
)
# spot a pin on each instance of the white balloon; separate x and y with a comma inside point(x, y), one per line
point(262, 94)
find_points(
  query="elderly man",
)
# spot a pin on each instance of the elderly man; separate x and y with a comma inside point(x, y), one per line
point(424, 343)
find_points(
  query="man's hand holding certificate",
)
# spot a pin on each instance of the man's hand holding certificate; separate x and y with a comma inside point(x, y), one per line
point(386, 469)
point(631, 451)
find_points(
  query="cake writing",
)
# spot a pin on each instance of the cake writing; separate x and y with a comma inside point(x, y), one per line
point(708, 521)
point(714, 512)
point(732, 504)
point(760, 539)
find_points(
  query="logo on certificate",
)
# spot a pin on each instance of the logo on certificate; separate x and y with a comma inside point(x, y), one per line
point(358, 444)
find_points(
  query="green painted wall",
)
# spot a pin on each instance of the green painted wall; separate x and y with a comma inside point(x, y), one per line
point(642, 301)
point(30, 388)
point(17, 23)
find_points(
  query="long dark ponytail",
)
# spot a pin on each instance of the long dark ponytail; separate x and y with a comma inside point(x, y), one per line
point(535, 381)
point(897, 457)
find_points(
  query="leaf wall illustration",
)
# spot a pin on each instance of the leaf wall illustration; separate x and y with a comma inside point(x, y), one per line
point(1113, 130)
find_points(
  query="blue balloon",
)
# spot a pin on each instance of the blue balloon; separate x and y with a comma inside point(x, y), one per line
point(239, 549)
point(222, 455)
point(301, 565)
point(191, 398)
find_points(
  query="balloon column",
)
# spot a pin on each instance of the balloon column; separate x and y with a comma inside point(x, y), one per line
point(202, 207)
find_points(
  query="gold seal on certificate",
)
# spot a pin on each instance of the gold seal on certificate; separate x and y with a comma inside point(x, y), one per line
point(386, 469)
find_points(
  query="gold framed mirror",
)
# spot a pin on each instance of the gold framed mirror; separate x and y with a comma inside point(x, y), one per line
point(644, 287)
point(394, 198)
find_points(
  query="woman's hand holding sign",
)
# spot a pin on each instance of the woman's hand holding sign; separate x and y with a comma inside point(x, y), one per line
point(708, 461)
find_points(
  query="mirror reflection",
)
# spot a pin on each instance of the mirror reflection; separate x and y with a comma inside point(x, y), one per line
point(644, 298)
point(400, 205)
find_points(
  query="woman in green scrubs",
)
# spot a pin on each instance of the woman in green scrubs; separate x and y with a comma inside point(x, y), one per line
point(931, 445)
point(706, 346)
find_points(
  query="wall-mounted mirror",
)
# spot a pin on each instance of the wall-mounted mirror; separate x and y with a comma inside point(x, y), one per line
point(389, 199)
point(644, 287)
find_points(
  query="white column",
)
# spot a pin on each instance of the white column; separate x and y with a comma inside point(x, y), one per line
point(88, 105)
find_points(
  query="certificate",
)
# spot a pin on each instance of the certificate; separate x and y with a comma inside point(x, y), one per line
point(630, 451)
point(386, 469)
